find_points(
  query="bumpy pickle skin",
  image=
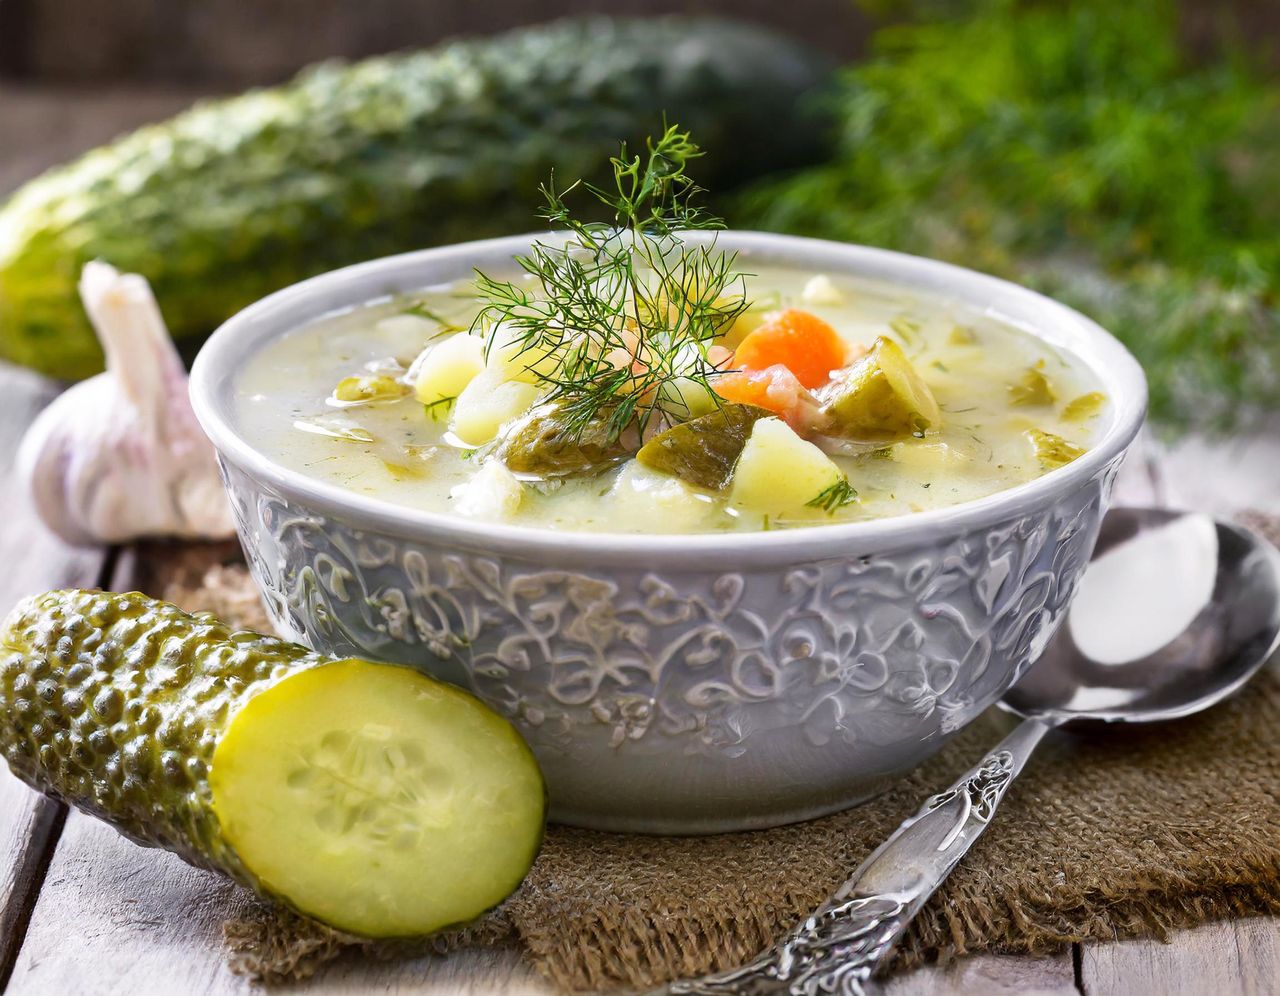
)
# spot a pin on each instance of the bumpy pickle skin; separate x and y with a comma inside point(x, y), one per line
point(137, 712)
point(881, 399)
point(546, 444)
point(704, 450)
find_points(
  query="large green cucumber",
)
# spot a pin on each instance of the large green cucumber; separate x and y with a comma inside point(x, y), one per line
point(239, 197)
point(368, 796)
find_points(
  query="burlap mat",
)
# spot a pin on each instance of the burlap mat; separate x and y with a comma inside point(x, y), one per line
point(1133, 833)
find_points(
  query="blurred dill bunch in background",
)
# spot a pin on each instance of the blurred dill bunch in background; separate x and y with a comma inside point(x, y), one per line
point(1080, 149)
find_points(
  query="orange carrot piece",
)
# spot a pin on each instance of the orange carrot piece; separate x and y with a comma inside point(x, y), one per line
point(775, 388)
point(800, 341)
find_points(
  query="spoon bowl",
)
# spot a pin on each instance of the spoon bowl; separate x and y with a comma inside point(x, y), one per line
point(1175, 613)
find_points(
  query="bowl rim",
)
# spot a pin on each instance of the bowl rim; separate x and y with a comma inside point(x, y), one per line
point(1107, 360)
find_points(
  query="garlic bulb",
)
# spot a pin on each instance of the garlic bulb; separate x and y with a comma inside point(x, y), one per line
point(121, 455)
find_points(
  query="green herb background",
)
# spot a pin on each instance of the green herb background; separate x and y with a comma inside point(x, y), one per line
point(1075, 148)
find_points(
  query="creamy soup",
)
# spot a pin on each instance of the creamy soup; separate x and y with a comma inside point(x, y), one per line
point(818, 399)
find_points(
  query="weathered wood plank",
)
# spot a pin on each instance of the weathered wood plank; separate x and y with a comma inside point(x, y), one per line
point(33, 560)
point(116, 918)
point(246, 43)
point(43, 126)
point(495, 971)
point(1241, 958)
point(990, 975)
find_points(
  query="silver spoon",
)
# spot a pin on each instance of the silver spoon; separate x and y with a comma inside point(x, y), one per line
point(1175, 613)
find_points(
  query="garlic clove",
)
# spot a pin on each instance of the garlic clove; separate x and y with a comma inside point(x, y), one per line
point(121, 455)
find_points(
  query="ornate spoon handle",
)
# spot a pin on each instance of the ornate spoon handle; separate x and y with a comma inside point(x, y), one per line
point(837, 949)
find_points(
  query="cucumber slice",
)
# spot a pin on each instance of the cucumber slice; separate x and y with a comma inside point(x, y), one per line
point(378, 800)
point(368, 796)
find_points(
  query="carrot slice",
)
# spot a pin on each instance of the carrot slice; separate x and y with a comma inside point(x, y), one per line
point(800, 341)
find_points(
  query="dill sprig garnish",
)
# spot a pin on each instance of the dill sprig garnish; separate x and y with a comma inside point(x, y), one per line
point(835, 496)
point(621, 313)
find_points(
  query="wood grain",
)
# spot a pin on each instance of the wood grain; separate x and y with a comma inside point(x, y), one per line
point(237, 42)
point(42, 126)
point(33, 560)
point(115, 918)
point(1241, 958)
point(495, 971)
point(990, 975)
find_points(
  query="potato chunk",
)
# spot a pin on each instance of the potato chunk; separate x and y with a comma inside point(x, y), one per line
point(486, 403)
point(663, 504)
point(444, 369)
point(778, 471)
point(509, 354)
point(494, 493)
point(820, 289)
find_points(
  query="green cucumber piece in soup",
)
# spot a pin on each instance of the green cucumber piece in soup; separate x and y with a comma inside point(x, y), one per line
point(236, 198)
point(881, 398)
point(704, 450)
point(548, 442)
point(368, 796)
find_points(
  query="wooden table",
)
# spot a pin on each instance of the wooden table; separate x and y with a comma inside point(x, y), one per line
point(83, 911)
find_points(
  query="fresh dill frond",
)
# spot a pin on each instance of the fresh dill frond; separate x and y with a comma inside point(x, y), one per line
point(619, 317)
point(836, 496)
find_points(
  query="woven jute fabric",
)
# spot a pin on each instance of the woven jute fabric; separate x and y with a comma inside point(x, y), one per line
point(1134, 832)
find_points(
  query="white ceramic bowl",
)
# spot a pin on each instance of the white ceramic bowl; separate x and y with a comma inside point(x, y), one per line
point(685, 684)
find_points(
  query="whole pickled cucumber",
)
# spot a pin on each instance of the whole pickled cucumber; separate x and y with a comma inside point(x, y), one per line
point(239, 197)
point(366, 795)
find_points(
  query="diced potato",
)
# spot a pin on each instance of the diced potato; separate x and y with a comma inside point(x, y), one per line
point(509, 354)
point(693, 396)
point(494, 493)
point(641, 495)
point(882, 397)
point(486, 403)
point(778, 471)
point(445, 368)
point(820, 290)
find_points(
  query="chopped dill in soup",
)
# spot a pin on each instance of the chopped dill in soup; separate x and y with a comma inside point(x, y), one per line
point(631, 378)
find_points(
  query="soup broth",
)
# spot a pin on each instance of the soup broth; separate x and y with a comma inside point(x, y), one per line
point(881, 402)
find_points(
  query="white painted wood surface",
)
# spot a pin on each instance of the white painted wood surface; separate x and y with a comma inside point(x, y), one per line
point(31, 560)
point(990, 975)
point(1219, 959)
